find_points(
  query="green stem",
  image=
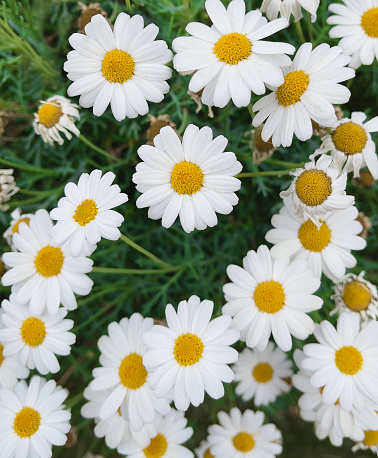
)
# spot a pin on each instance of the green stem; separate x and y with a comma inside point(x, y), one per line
point(26, 167)
point(128, 5)
point(250, 110)
point(99, 150)
point(114, 270)
point(298, 27)
point(297, 165)
point(263, 174)
point(42, 195)
point(310, 27)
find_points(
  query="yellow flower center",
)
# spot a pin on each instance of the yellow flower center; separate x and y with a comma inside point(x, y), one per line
point(262, 372)
point(118, 66)
point(27, 422)
point(33, 331)
point(132, 372)
point(371, 438)
point(186, 178)
point(348, 360)
point(312, 238)
point(49, 114)
point(22, 220)
point(243, 442)
point(349, 138)
point(232, 48)
point(188, 349)
point(356, 296)
point(157, 447)
point(85, 212)
point(2, 357)
point(208, 454)
point(293, 88)
point(369, 22)
point(313, 187)
point(269, 296)
point(49, 261)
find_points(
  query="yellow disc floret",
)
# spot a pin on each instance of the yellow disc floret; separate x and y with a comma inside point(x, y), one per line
point(33, 331)
point(349, 138)
point(232, 48)
point(49, 261)
point(17, 224)
point(2, 357)
point(243, 442)
point(371, 438)
point(312, 238)
point(269, 296)
point(356, 296)
point(49, 114)
point(262, 372)
point(118, 66)
point(188, 349)
point(186, 178)
point(293, 88)
point(85, 212)
point(132, 372)
point(313, 187)
point(369, 22)
point(27, 422)
point(208, 454)
point(348, 360)
point(157, 447)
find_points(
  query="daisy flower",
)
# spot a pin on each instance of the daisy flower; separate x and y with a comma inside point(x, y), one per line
point(124, 374)
point(56, 115)
point(193, 179)
point(286, 8)
point(271, 297)
point(35, 338)
point(308, 92)
point(262, 374)
point(7, 187)
point(17, 219)
point(230, 58)
point(162, 438)
point(85, 215)
point(356, 25)
point(326, 249)
point(369, 442)
point(124, 67)
point(33, 418)
point(350, 144)
point(42, 274)
point(191, 355)
point(203, 451)
point(244, 435)
point(317, 189)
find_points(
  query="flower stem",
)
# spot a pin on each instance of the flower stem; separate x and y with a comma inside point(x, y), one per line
point(298, 27)
point(128, 5)
point(250, 110)
point(263, 174)
point(99, 150)
point(310, 28)
point(297, 165)
point(26, 167)
point(119, 271)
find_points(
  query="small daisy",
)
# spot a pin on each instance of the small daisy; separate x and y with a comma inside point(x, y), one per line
point(357, 27)
point(124, 374)
point(35, 338)
point(17, 219)
point(191, 355)
point(317, 189)
point(124, 67)
point(286, 8)
point(244, 435)
point(310, 88)
point(33, 419)
point(42, 274)
point(369, 442)
point(271, 297)
point(160, 439)
point(7, 187)
point(326, 249)
point(261, 374)
point(230, 58)
point(203, 451)
point(85, 215)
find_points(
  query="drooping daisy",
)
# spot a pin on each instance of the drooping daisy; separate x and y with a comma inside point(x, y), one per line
point(17, 219)
point(326, 249)
point(271, 297)
point(310, 88)
point(87, 12)
point(203, 451)
point(33, 419)
point(191, 355)
point(160, 439)
point(260, 150)
point(7, 187)
point(357, 27)
point(369, 442)
point(317, 189)
point(261, 374)
point(124, 67)
point(124, 374)
point(85, 215)
point(230, 58)
point(365, 222)
point(56, 115)
point(35, 338)
point(42, 274)
point(193, 179)
point(286, 8)
point(244, 435)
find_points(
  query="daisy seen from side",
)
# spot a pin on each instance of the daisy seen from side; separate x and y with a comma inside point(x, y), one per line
point(7, 187)
point(17, 219)
point(286, 8)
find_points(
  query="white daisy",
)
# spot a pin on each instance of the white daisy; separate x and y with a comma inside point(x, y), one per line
point(271, 297)
point(261, 374)
point(55, 116)
point(317, 189)
point(33, 419)
point(350, 144)
point(326, 249)
point(230, 58)
point(35, 338)
point(7, 187)
point(44, 275)
point(244, 435)
point(286, 8)
point(309, 92)
point(85, 215)
point(191, 355)
point(203, 451)
point(160, 439)
point(369, 442)
point(193, 179)
point(17, 219)
point(124, 67)
point(124, 374)
point(357, 27)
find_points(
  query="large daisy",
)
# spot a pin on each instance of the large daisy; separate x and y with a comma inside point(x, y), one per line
point(124, 67)
point(286, 8)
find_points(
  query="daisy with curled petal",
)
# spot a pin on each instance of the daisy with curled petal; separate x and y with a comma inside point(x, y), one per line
point(230, 58)
point(33, 419)
point(17, 219)
point(271, 297)
point(85, 215)
point(42, 274)
point(286, 8)
point(308, 92)
point(193, 179)
point(326, 249)
point(124, 67)
point(191, 355)
point(203, 451)
point(244, 435)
